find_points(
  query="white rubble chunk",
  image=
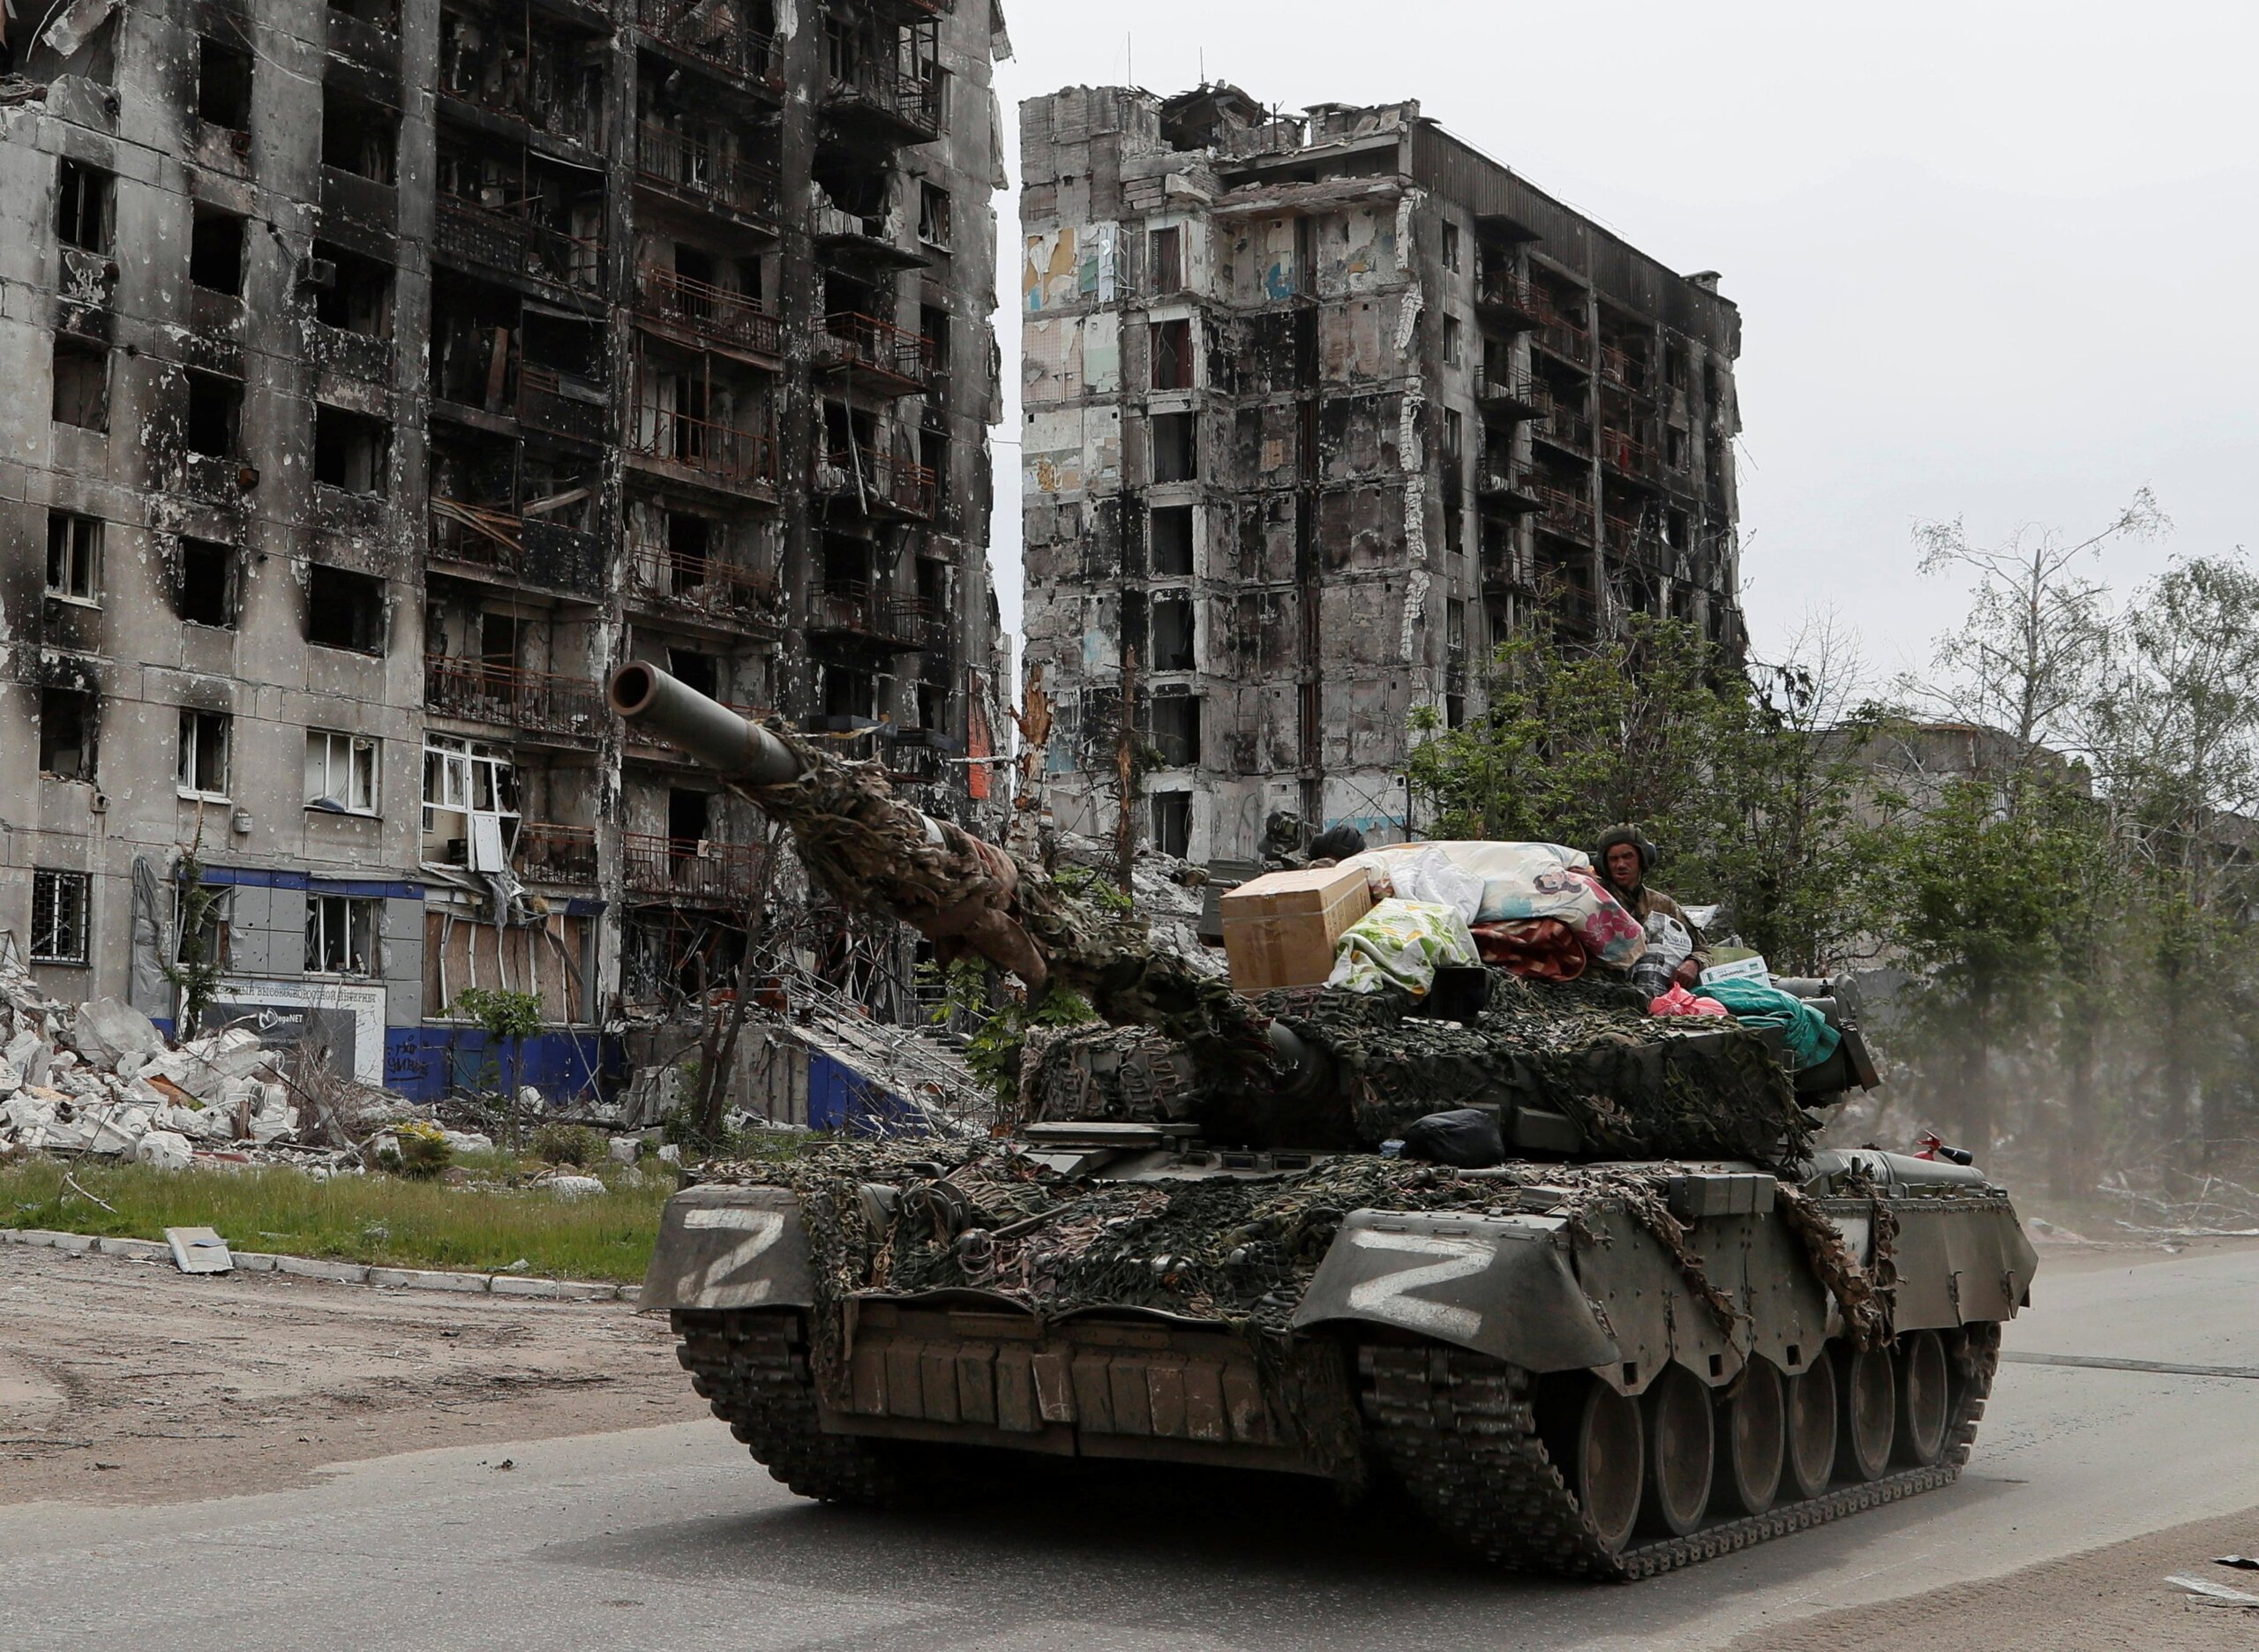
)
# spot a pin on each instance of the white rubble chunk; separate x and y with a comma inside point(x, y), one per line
point(163, 1149)
point(575, 1187)
point(469, 1141)
point(109, 1030)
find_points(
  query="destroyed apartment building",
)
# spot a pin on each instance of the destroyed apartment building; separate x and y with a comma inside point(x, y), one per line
point(390, 369)
point(1318, 409)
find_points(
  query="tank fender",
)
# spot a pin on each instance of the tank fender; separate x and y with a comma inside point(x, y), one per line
point(730, 1247)
point(1496, 1285)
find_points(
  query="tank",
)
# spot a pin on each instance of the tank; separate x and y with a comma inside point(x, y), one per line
point(1645, 1324)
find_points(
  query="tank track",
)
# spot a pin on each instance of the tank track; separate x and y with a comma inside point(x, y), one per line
point(1459, 1431)
point(752, 1368)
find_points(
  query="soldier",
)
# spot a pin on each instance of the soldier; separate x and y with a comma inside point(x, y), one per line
point(1626, 857)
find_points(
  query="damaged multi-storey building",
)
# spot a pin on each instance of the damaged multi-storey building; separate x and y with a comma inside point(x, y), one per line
point(1317, 411)
point(390, 370)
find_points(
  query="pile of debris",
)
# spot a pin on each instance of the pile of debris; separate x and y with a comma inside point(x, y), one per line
point(99, 1078)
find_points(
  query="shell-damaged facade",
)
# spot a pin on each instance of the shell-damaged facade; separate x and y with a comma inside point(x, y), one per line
point(389, 370)
point(1316, 409)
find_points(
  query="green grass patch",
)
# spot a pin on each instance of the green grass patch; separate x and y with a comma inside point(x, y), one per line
point(481, 1226)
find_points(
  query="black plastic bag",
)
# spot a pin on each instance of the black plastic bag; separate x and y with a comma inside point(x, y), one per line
point(1466, 1139)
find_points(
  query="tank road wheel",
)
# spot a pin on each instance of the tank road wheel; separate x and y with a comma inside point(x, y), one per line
point(1811, 1419)
point(1682, 1440)
point(1925, 1395)
point(1870, 1406)
point(1752, 1430)
point(1607, 1462)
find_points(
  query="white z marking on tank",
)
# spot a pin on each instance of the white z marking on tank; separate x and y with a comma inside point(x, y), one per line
point(1385, 1298)
point(762, 1228)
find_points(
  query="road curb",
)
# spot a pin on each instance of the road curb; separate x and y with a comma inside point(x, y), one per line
point(521, 1286)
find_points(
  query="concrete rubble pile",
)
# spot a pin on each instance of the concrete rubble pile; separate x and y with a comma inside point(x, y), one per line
point(99, 1078)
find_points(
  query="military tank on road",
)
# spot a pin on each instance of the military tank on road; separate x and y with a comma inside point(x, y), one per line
point(1653, 1325)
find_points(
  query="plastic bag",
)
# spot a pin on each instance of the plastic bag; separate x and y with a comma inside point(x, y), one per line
point(1679, 1001)
point(1401, 943)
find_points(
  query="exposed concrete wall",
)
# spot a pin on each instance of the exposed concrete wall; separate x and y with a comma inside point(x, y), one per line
point(1367, 463)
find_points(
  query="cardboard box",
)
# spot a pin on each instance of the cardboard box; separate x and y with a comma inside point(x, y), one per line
point(1280, 928)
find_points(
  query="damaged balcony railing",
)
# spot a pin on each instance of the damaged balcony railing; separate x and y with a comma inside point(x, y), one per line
point(1562, 425)
point(549, 854)
point(1622, 368)
point(695, 868)
point(703, 585)
point(530, 547)
point(867, 345)
point(683, 165)
point(869, 85)
point(718, 314)
point(560, 404)
point(1620, 450)
point(1563, 513)
point(482, 691)
point(715, 32)
point(878, 481)
point(470, 233)
point(724, 454)
point(881, 616)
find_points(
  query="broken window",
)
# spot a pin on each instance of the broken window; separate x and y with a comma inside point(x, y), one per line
point(694, 670)
point(1674, 529)
point(341, 934)
point(1455, 629)
point(470, 804)
point(1169, 529)
point(1172, 631)
point(216, 410)
point(1167, 248)
point(1176, 729)
point(205, 942)
point(358, 135)
point(1177, 453)
point(1451, 246)
point(690, 819)
point(207, 583)
point(352, 450)
point(215, 251)
point(61, 902)
point(933, 216)
point(1173, 822)
point(82, 384)
point(933, 323)
point(340, 773)
point(345, 610)
point(1454, 434)
point(1454, 340)
point(1172, 347)
point(82, 216)
point(352, 293)
point(223, 85)
point(1675, 447)
point(66, 733)
point(203, 769)
point(74, 556)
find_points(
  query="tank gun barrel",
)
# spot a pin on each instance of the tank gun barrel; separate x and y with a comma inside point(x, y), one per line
point(733, 747)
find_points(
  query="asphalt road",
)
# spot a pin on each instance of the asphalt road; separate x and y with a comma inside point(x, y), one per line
point(669, 1538)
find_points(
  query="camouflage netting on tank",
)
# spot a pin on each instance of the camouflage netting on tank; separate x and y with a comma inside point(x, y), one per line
point(1636, 1087)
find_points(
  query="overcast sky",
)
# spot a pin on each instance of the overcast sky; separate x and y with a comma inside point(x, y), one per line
point(1994, 260)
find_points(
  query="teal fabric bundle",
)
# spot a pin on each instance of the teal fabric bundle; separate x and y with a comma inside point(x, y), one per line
point(1811, 1041)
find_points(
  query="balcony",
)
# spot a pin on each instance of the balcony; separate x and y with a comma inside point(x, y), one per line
point(699, 450)
point(512, 697)
point(1622, 370)
point(1520, 304)
point(562, 404)
point(515, 550)
point(1620, 451)
point(549, 854)
point(905, 625)
point(694, 170)
point(879, 484)
point(1562, 427)
point(877, 353)
point(467, 233)
point(693, 868)
point(879, 95)
point(1507, 394)
point(1563, 512)
point(716, 34)
point(1567, 341)
point(701, 587)
point(683, 306)
point(875, 238)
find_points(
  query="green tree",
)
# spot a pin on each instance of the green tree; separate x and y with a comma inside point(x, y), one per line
point(507, 1019)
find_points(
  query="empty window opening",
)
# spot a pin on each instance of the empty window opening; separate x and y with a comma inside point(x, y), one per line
point(1454, 340)
point(1172, 631)
point(82, 204)
point(215, 412)
point(690, 818)
point(1675, 448)
point(66, 733)
point(1169, 531)
point(501, 639)
point(933, 323)
point(694, 670)
point(1674, 529)
point(848, 691)
point(207, 583)
point(1176, 729)
point(215, 251)
point(74, 556)
point(846, 564)
point(358, 135)
point(933, 216)
point(223, 85)
point(203, 768)
point(352, 293)
point(61, 902)
point(82, 384)
point(1169, 260)
point(352, 450)
point(1454, 434)
point(340, 773)
point(1173, 822)
point(1177, 453)
point(345, 610)
point(1451, 246)
point(342, 934)
point(1454, 710)
point(689, 546)
point(1172, 345)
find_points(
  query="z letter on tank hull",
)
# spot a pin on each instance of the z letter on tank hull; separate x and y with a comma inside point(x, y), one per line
point(730, 1247)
